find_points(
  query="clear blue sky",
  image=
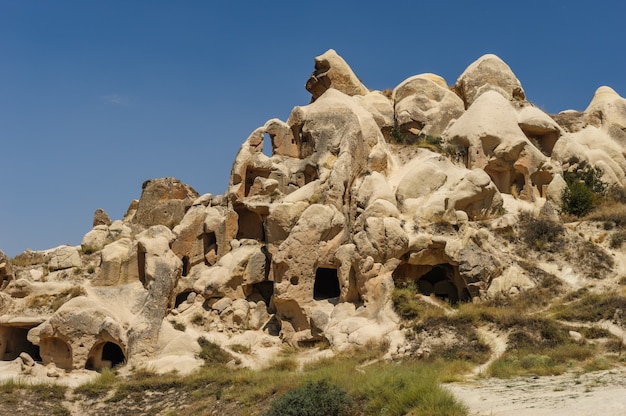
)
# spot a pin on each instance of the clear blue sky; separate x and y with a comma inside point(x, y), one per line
point(98, 96)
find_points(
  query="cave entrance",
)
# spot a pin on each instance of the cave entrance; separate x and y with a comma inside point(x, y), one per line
point(185, 260)
point(441, 280)
point(105, 355)
point(57, 351)
point(182, 298)
point(14, 341)
point(326, 284)
point(251, 174)
point(141, 265)
point(250, 225)
point(261, 291)
point(209, 243)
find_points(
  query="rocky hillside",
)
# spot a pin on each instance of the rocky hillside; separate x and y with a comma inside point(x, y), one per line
point(457, 193)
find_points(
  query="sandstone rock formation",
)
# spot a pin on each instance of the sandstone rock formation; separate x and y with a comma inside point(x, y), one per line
point(308, 244)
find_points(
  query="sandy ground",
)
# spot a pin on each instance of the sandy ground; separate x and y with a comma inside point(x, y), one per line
point(597, 393)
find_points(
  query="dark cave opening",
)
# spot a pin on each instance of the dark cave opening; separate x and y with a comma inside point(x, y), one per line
point(326, 284)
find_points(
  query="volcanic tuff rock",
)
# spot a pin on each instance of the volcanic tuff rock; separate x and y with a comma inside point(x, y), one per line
point(308, 244)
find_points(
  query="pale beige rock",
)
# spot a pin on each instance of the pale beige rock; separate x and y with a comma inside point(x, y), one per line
point(488, 73)
point(163, 201)
point(64, 257)
point(425, 105)
point(331, 71)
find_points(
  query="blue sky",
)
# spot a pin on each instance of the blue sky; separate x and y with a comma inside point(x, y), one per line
point(98, 96)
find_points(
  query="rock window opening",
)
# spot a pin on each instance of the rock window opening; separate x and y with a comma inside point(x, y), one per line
point(326, 284)
point(268, 148)
point(105, 355)
point(14, 341)
point(209, 243)
point(185, 265)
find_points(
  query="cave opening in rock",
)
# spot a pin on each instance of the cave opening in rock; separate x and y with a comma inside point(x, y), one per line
point(209, 243)
point(105, 355)
point(251, 174)
point(185, 260)
point(181, 297)
point(14, 341)
point(441, 280)
point(326, 284)
point(261, 290)
point(250, 225)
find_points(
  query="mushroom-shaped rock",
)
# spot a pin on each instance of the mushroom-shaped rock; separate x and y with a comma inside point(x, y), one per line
point(488, 73)
point(331, 71)
point(163, 201)
point(425, 105)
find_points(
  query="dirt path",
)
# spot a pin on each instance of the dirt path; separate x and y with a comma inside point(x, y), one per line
point(497, 342)
point(597, 393)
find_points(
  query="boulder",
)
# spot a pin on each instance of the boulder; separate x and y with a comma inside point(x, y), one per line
point(64, 257)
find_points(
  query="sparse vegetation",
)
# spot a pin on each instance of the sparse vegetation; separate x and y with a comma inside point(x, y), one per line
point(583, 192)
point(212, 353)
point(541, 234)
point(319, 398)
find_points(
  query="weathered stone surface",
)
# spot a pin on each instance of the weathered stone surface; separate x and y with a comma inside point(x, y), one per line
point(64, 257)
point(488, 73)
point(100, 217)
point(425, 105)
point(163, 201)
point(331, 71)
point(307, 244)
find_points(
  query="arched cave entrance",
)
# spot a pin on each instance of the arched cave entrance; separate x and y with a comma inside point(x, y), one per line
point(57, 351)
point(441, 280)
point(14, 341)
point(105, 355)
point(326, 284)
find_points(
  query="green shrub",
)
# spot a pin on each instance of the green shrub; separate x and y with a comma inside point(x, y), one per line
point(313, 399)
point(583, 191)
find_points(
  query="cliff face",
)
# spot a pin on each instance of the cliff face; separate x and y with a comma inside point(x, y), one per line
point(363, 191)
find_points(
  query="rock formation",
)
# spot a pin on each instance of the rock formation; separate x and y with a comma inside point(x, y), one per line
point(308, 244)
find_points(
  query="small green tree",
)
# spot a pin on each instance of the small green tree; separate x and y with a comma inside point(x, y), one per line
point(583, 191)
